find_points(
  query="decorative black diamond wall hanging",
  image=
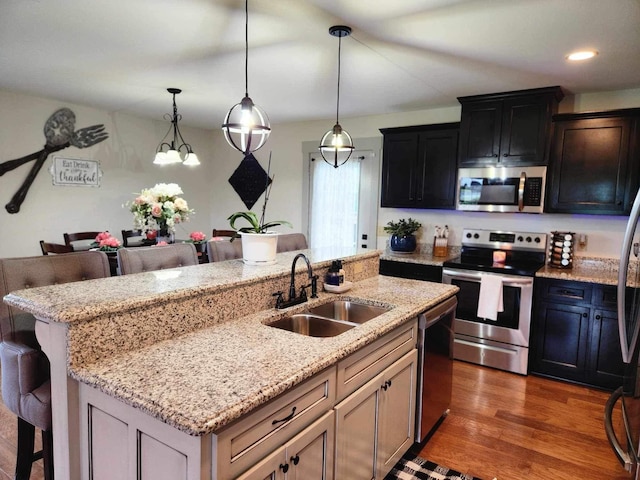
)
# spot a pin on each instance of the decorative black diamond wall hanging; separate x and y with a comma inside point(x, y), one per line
point(249, 180)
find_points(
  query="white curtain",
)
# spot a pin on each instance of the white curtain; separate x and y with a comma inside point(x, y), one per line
point(334, 204)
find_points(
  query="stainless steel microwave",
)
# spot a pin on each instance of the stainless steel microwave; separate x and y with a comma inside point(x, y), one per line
point(501, 189)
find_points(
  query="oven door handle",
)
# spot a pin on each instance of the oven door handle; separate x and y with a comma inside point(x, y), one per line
point(523, 180)
point(509, 282)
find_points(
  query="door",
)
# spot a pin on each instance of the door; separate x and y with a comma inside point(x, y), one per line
point(310, 454)
point(399, 173)
point(396, 415)
point(480, 133)
point(307, 456)
point(590, 167)
point(356, 433)
point(343, 201)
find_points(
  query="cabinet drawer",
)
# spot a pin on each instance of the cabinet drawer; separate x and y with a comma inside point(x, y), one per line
point(564, 291)
point(606, 296)
point(360, 367)
point(243, 443)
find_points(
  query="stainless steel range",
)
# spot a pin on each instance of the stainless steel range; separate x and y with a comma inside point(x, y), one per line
point(493, 263)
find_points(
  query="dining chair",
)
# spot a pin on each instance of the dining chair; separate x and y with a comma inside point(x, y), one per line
point(146, 259)
point(55, 248)
point(220, 250)
point(127, 234)
point(81, 239)
point(222, 233)
point(26, 385)
point(288, 242)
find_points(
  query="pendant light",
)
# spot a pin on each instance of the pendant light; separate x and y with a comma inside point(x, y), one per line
point(172, 154)
point(336, 145)
point(246, 126)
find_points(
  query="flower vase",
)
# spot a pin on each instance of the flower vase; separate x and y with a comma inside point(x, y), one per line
point(163, 235)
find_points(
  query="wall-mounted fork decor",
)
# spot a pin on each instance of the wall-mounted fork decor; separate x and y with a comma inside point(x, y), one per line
point(60, 133)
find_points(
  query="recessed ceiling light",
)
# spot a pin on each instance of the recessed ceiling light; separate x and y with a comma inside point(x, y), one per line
point(582, 55)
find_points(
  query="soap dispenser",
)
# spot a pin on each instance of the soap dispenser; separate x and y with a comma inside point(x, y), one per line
point(333, 277)
point(340, 272)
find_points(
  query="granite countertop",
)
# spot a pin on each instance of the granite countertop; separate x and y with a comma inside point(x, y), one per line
point(600, 270)
point(593, 270)
point(203, 380)
point(77, 301)
point(422, 256)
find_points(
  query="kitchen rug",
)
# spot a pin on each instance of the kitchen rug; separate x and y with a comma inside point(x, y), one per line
point(411, 467)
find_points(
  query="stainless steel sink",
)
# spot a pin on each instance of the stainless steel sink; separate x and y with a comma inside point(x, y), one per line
point(312, 325)
point(348, 311)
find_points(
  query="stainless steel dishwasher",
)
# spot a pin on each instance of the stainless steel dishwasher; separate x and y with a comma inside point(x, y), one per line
point(435, 367)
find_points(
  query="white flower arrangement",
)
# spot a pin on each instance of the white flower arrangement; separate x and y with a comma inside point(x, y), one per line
point(159, 208)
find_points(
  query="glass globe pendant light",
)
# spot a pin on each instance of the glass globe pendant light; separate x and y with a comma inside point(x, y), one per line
point(336, 145)
point(246, 126)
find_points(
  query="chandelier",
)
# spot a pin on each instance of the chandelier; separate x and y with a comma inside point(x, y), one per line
point(172, 152)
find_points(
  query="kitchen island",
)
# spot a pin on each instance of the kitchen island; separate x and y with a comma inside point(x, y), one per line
point(165, 361)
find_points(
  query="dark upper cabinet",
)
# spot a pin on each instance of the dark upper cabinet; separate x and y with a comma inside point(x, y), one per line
point(419, 166)
point(594, 163)
point(509, 129)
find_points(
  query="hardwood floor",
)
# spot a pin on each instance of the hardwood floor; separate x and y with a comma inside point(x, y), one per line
point(513, 427)
point(501, 425)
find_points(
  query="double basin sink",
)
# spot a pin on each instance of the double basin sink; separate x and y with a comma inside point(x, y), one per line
point(329, 319)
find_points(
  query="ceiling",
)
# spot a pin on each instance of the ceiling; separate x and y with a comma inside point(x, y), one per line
point(403, 55)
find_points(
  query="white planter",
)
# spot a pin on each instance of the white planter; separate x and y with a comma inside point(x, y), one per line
point(259, 248)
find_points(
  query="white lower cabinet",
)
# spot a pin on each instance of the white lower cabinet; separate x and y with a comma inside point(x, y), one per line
point(374, 425)
point(307, 456)
point(354, 420)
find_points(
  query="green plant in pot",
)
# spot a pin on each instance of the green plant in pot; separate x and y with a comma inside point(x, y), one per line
point(259, 243)
point(402, 234)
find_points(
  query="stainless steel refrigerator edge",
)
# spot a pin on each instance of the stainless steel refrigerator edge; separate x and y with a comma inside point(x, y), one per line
point(628, 394)
point(435, 367)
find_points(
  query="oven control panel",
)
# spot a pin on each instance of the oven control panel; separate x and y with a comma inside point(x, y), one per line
point(501, 240)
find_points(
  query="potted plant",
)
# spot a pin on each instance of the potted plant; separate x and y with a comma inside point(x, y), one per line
point(402, 234)
point(259, 244)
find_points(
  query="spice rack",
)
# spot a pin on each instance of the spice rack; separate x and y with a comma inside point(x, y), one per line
point(561, 249)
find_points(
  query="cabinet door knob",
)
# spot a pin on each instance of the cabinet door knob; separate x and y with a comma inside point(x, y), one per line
point(495, 154)
point(585, 315)
point(505, 154)
point(284, 467)
point(598, 317)
point(295, 460)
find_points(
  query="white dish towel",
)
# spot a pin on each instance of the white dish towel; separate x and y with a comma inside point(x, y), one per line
point(490, 301)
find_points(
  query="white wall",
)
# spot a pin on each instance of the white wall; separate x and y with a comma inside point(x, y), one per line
point(125, 158)
point(604, 233)
point(126, 161)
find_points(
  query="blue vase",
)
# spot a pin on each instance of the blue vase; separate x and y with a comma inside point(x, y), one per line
point(402, 243)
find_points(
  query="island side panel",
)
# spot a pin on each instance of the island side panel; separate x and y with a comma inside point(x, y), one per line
point(64, 401)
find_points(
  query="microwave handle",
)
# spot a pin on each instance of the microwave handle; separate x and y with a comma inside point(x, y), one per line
point(523, 180)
